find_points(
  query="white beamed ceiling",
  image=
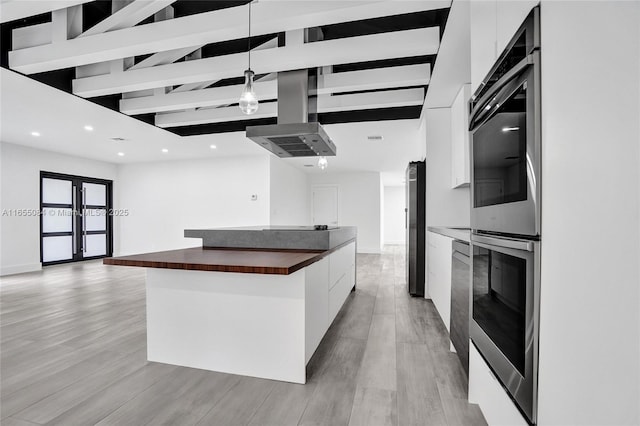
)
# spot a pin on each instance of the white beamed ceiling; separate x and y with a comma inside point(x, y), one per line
point(380, 78)
point(27, 105)
point(178, 91)
point(268, 16)
point(337, 103)
point(424, 41)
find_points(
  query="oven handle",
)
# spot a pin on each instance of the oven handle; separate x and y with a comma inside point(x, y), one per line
point(513, 244)
point(510, 75)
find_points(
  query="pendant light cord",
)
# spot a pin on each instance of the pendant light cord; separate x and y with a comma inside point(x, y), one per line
point(249, 41)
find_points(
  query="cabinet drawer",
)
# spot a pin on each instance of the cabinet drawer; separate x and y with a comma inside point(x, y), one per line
point(337, 296)
point(340, 263)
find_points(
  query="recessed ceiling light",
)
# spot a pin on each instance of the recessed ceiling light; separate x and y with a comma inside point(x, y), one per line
point(165, 150)
point(212, 146)
point(121, 154)
point(88, 128)
point(35, 133)
point(510, 129)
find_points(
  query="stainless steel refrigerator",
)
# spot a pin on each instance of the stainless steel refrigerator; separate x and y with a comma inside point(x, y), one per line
point(415, 226)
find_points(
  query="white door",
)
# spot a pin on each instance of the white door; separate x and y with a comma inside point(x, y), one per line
point(325, 205)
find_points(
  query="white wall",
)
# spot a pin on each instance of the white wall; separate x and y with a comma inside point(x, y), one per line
point(20, 189)
point(394, 215)
point(359, 204)
point(166, 198)
point(445, 206)
point(289, 194)
point(590, 301)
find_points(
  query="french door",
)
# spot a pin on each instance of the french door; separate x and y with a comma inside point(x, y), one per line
point(75, 218)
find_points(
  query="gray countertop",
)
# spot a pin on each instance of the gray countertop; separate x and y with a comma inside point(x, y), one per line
point(274, 237)
point(457, 233)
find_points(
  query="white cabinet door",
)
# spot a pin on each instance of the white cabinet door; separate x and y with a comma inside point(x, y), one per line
point(439, 273)
point(460, 138)
point(342, 264)
point(483, 39)
point(325, 205)
point(493, 24)
point(510, 15)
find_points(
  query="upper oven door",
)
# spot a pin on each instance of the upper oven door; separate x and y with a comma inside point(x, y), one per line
point(505, 139)
point(505, 153)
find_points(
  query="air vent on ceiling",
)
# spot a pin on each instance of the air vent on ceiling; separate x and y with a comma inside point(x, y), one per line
point(308, 165)
point(118, 139)
point(375, 137)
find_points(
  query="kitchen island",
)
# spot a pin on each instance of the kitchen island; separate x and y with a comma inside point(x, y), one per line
point(250, 301)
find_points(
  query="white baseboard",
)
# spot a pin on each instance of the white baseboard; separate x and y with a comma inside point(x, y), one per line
point(20, 269)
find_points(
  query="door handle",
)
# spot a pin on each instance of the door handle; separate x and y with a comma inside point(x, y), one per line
point(74, 217)
point(84, 222)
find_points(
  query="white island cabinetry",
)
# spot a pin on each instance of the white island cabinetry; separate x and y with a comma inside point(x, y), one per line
point(439, 273)
point(254, 301)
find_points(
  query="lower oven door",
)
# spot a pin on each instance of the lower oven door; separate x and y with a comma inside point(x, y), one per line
point(504, 313)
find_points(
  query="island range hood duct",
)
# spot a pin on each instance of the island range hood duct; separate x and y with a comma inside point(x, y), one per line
point(298, 133)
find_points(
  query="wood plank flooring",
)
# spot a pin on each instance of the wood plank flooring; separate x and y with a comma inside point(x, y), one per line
point(73, 352)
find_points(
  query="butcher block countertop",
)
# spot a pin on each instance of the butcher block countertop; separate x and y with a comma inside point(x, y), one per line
point(253, 261)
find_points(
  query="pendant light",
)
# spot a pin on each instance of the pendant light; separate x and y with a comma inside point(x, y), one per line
point(323, 163)
point(248, 100)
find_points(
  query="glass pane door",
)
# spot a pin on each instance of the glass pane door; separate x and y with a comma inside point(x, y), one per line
point(75, 222)
point(94, 213)
point(57, 220)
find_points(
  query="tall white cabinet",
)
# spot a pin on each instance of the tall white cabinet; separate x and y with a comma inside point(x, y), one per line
point(460, 163)
point(493, 23)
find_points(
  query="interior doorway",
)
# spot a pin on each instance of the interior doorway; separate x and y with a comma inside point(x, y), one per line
point(75, 218)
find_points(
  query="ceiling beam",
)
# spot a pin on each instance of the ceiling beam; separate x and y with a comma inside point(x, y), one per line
point(226, 24)
point(212, 97)
point(130, 15)
point(214, 115)
point(380, 78)
point(11, 10)
point(371, 100)
point(359, 101)
point(204, 84)
point(399, 44)
point(373, 79)
point(163, 58)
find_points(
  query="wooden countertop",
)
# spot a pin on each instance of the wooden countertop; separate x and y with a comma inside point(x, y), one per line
point(253, 261)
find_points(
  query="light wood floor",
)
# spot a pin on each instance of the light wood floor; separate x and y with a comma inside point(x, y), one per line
point(74, 353)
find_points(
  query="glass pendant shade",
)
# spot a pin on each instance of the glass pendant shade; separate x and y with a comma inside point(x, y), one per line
point(323, 163)
point(248, 100)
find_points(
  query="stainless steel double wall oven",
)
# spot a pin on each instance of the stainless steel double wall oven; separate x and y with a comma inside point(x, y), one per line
point(505, 216)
